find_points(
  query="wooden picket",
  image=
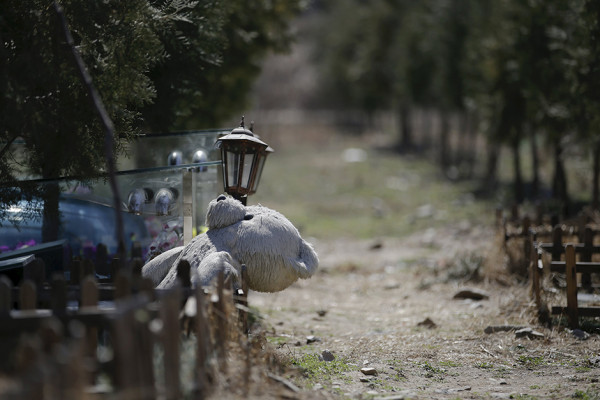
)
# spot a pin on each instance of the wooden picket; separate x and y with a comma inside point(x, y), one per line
point(67, 314)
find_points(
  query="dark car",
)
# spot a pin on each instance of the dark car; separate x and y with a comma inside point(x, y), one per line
point(88, 228)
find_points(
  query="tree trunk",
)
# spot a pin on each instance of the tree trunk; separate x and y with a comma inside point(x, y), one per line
point(596, 176)
point(50, 213)
point(406, 140)
point(559, 183)
point(471, 151)
point(426, 129)
point(518, 177)
point(445, 140)
point(535, 161)
point(491, 170)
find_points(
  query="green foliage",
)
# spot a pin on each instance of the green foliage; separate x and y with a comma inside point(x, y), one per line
point(213, 55)
point(523, 68)
point(157, 64)
point(43, 99)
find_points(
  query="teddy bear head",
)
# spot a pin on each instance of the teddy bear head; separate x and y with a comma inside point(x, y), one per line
point(224, 211)
point(262, 239)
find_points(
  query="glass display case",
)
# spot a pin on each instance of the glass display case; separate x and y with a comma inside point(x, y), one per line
point(165, 183)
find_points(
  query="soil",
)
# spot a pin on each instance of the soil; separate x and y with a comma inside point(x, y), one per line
point(388, 304)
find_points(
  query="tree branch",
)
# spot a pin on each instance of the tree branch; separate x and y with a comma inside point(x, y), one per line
point(108, 130)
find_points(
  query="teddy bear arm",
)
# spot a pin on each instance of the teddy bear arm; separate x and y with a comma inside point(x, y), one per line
point(212, 265)
point(157, 268)
point(307, 261)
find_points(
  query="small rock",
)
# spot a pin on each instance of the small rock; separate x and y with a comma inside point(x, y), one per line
point(366, 362)
point(322, 313)
point(311, 339)
point(428, 323)
point(391, 286)
point(327, 355)
point(595, 361)
point(529, 333)
point(298, 343)
point(579, 334)
point(365, 379)
point(473, 294)
point(368, 371)
point(376, 246)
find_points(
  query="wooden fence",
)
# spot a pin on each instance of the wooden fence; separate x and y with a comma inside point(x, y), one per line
point(571, 248)
point(83, 338)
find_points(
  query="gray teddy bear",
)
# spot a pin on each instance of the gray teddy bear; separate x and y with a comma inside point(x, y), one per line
point(264, 240)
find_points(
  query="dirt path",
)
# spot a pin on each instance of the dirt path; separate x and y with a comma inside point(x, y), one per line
point(370, 303)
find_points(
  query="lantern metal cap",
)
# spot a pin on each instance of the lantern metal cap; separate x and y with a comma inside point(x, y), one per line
point(241, 133)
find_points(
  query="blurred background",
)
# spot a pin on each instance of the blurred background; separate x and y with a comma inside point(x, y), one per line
point(479, 103)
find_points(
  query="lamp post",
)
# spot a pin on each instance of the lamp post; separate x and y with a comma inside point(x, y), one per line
point(243, 156)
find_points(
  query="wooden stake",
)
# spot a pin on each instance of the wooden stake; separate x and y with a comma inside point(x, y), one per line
point(6, 303)
point(89, 298)
point(571, 272)
point(169, 313)
point(27, 296)
point(203, 345)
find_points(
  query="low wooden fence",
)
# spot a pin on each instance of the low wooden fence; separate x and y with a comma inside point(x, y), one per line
point(571, 249)
point(84, 338)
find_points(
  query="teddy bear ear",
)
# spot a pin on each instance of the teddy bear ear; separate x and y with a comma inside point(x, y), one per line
point(307, 262)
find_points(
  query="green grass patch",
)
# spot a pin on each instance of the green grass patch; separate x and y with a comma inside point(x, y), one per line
point(531, 362)
point(386, 195)
point(449, 363)
point(484, 365)
point(588, 394)
point(316, 370)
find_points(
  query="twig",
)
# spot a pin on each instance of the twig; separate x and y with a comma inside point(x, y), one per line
point(109, 129)
point(487, 351)
point(284, 382)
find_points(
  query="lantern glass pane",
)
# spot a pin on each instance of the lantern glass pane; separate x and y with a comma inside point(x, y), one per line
point(246, 172)
point(261, 164)
point(233, 168)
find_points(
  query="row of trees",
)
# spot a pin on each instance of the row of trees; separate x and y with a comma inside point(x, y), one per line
point(158, 65)
point(524, 69)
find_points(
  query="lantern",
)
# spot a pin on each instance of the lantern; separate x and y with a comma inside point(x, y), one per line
point(243, 156)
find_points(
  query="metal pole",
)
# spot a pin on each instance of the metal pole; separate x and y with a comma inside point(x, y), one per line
point(188, 206)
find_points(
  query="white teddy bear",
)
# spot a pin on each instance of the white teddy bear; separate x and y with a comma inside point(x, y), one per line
point(264, 240)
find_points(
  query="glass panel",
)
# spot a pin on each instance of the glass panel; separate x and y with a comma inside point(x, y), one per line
point(248, 160)
point(233, 169)
point(153, 150)
point(151, 203)
point(261, 164)
point(151, 209)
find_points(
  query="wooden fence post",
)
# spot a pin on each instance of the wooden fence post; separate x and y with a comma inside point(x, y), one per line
point(221, 332)
point(123, 341)
point(59, 294)
point(75, 271)
point(586, 256)
point(35, 271)
point(557, 249)
point(242, 300)
point(27, 296)
point(87, 269)
point(169, 313)
point(6, 303)
point(89, 298)
point(122, 284)
point(571, 272)
point(102, 266)
point(115, 267)
point(203, 345)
